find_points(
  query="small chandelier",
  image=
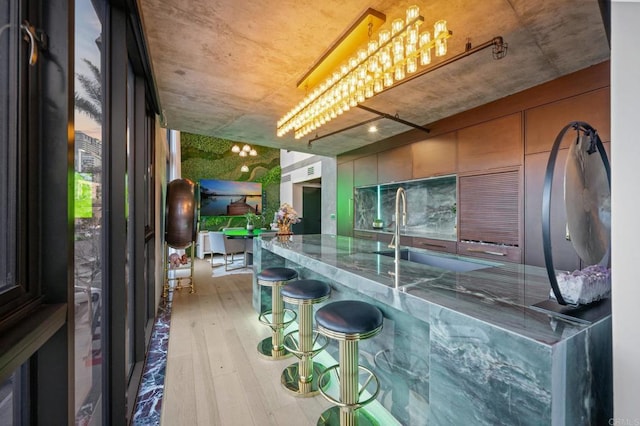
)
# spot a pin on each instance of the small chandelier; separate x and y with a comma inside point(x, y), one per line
point(387, 60)
point(244, 151)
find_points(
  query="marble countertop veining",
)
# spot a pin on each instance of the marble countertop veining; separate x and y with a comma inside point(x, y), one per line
point(499, 294)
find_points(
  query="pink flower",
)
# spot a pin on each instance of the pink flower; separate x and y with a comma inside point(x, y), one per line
point(287, 215)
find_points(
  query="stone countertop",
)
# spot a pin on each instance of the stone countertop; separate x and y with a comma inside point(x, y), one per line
point(500, 294)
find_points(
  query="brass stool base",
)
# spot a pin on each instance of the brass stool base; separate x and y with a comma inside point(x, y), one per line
point(331, 417)
point(265, 350)
point(290, 380)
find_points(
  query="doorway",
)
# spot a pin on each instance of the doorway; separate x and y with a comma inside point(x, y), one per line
point(311, 210)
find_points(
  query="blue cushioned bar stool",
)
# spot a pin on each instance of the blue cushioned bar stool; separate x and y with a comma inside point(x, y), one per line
point(301, 378)
point(348, 321)
point(272, 347)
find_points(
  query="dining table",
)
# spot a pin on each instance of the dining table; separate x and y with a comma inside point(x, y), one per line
point(245, 234)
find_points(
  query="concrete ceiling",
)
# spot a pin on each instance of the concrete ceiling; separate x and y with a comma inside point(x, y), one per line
point(229, 68)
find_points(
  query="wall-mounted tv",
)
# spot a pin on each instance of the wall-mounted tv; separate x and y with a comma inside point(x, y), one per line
point(229, 198)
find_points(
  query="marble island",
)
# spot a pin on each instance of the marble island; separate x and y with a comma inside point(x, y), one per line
point(460, 347)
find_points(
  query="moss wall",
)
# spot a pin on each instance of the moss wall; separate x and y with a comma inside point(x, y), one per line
point(206, 157)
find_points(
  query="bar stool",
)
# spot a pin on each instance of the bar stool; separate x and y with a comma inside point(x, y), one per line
point(272, 347)
point(301, 378)
point(348, 321)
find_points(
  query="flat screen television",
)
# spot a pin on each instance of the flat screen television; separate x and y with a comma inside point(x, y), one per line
point(229, 198)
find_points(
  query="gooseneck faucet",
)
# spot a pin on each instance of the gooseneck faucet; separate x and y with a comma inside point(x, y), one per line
point(401, 196)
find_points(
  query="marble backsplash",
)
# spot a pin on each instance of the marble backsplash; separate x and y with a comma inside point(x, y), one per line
point(431, 206)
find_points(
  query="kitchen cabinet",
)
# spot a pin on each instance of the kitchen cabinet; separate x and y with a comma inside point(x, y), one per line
point(344, 202)
point(433, 157)
point(495, 252)
point(564, 255)
point(491, 145)
point(489, 213)
point(395, 164)
point(545, 122)
point(365, 170)
point(386, 237)
point(365, 235)
point(435, 244)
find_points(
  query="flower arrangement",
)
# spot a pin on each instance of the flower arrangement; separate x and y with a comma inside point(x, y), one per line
point(285, 217)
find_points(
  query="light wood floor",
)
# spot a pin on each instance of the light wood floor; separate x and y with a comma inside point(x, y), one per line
point(214, 374)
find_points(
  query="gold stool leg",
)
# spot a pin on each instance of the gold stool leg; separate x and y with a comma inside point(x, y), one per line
point(348, 380)
point(301, 378)
point(349, 411)
point(272, 347)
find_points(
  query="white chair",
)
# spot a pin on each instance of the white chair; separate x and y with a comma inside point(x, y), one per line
point(220, 244)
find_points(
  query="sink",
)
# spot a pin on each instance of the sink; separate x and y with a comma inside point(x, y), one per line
point(452, 264)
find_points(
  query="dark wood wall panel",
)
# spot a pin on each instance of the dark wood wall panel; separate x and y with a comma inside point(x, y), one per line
point(491, 145)
point(365, 171)
point(564, 255)
point(542, 124)
point(433, 157)
point(395, 165)
point(488, 208)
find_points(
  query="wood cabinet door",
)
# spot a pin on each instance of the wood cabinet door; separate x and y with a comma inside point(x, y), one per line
point(564, 255)
point(365, 170)
point(491, 145)
point(545, 122)
point(433, 157)
point(489, 207)
point(395, 165)
point(435, 245)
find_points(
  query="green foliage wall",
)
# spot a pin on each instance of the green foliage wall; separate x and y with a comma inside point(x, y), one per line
point(206, 157)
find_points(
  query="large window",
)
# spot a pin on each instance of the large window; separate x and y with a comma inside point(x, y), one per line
point(12, 142)
point(89, 296)
point(17, 294)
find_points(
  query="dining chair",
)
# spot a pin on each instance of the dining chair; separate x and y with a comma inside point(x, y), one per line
point(220, 244)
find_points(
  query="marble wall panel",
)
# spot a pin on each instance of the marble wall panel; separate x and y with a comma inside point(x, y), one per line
point(431, 206)
point(482, 375)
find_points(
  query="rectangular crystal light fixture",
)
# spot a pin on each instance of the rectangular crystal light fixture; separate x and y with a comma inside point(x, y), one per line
point(384, 60)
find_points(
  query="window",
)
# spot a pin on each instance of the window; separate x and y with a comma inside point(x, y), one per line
point(88, 212)
point(15, 72)
point(9, 44)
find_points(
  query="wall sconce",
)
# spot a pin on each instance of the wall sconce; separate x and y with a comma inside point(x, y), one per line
point(387, 59)
point(244, 168)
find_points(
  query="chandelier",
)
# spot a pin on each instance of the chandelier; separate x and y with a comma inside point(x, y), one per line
point(244, 151)
point(387, 59)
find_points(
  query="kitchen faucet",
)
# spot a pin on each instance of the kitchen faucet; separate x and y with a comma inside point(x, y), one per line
point(395, 241)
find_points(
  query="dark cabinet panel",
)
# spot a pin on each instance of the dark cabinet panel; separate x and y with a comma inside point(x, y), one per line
point(365, 170)
point(437, 156)
point(490, 251)
point(489, 208)
point(344, 202)
point(564, 255)
point(491, 145)
point(545, 122)
point(435, 245)
point(395, 165)
point(386, 237)
point(365, 235)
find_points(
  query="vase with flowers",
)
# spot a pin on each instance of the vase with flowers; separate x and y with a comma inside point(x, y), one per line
point(285, 217)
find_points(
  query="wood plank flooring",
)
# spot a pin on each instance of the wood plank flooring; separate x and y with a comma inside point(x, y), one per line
point(214, 374)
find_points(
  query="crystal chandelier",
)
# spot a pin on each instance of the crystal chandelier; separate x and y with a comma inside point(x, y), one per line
point(387, 60)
